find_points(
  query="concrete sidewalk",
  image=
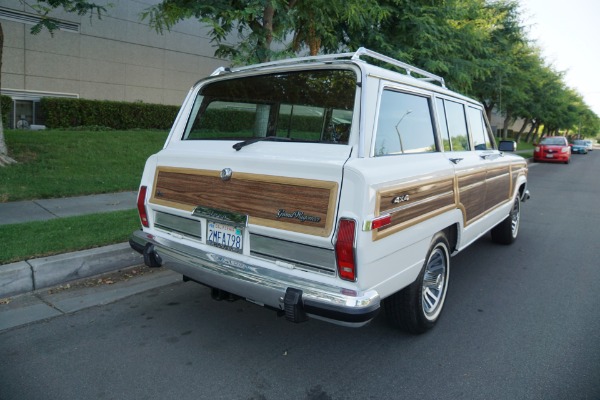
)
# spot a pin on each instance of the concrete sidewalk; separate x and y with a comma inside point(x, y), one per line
point(42, 210)
point(29, 275)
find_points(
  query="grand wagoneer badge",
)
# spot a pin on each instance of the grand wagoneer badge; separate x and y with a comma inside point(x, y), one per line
point(298, 215)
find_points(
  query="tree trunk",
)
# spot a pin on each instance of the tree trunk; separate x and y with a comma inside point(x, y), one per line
point(4, 158)
point(529, 133)
point(507, 121)
point(268, 14)
point(518, 136)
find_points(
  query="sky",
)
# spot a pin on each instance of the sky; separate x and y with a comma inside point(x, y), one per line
point(568, 33)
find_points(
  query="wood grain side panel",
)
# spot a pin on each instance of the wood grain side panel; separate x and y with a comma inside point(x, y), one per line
point(516, 171)
point(498, 186)
point(416, 194)
point(259, 196)
point(425, 201)
point(471, 195)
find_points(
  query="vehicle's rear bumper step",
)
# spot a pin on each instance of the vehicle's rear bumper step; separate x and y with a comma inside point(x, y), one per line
point(297, 297)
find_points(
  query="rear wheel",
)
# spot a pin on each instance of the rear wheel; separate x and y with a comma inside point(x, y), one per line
point(506, 231)
point(417, 307)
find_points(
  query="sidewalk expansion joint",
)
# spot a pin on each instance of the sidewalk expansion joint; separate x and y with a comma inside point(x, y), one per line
point(45, 209)
point(49, 304)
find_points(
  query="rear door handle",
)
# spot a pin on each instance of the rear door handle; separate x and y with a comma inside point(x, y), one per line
point(456, 160)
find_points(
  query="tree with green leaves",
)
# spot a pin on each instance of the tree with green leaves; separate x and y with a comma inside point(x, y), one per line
point(43, 8)
point(251, 31)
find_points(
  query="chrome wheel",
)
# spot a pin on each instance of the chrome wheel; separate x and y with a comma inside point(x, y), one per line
point(515, 218)
point(417, 307)
point(506, 231)
point(435, 280)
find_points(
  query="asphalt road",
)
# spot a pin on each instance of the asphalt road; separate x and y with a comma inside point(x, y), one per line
point(520, 322)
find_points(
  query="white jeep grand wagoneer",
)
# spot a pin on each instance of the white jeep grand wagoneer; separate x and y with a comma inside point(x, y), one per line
point(327, 187)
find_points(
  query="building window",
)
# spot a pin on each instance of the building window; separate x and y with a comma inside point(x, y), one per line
point(26, 113)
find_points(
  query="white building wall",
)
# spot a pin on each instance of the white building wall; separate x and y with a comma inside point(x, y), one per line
point(118, 57)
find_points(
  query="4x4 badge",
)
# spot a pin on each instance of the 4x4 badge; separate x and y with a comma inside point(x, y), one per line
point(226, 174)
point(400, 199)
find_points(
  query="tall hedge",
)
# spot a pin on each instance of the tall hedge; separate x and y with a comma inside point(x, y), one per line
point(5, 106)
point(65, 113)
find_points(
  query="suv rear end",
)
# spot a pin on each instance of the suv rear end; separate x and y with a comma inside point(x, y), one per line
point(244, 196)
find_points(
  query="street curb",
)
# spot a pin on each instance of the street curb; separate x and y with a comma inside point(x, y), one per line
point(39, 273)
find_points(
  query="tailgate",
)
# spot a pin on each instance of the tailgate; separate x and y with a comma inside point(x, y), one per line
point(287, 190)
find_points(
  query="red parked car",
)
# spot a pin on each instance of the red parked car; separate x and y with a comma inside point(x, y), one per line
point(553, 148)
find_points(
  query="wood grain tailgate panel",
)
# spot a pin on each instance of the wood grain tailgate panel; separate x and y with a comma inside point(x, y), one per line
point(261, 197)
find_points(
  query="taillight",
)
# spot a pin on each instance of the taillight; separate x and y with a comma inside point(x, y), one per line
point(344, 249)
point(141, 206)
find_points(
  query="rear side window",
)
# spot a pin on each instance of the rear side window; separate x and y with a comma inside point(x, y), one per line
point(441, 112)
point(404, 125)
point(481, 140)
point(457, 126)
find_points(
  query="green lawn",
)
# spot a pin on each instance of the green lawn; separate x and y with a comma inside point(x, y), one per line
point(43, 238)
point(57, 163)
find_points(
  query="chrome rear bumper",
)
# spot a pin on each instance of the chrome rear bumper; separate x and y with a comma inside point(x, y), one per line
point(297, 297)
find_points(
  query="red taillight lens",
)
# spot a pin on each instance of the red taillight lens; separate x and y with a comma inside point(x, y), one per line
point(141, 206)
point(344, 249)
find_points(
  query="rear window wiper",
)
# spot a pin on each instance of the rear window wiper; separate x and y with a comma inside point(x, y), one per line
point(238, 146)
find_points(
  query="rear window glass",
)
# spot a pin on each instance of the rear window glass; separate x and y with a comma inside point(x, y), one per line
point(554, 141)
point(307, 106)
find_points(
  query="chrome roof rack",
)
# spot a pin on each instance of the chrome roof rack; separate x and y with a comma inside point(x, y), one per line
point(428, 76)
point(410, 69)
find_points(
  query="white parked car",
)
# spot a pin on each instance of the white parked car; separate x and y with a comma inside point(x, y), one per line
point(324, 187)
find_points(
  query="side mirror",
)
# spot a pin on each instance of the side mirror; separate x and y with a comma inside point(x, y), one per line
point(507, 145)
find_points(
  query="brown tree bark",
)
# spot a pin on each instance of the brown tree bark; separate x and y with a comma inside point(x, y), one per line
point(4, 158)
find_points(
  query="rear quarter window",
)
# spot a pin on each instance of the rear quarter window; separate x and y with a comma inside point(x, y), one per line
point(404, 125)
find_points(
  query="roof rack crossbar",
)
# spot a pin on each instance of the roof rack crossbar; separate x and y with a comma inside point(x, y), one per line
point(407, 67)
point(428, 76)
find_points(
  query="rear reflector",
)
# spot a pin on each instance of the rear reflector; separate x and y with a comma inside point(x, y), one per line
point(344, 249)
point(382, 221)
point(141, 206)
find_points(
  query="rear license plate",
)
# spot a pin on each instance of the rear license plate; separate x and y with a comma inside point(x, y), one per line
point(225, 236)
point(549, 155)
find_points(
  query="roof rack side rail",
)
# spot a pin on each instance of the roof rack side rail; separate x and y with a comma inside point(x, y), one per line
point(325, 57)
point(407, 67)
